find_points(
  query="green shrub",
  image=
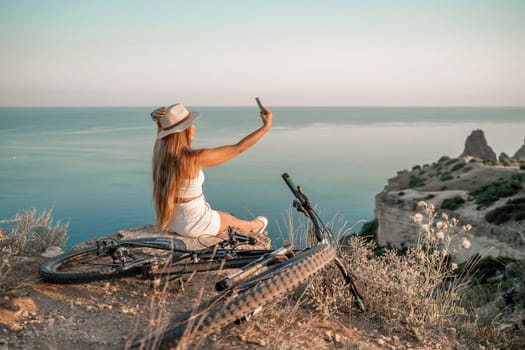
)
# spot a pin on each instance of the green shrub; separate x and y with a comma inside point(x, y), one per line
point(451, 161)
point(518, 178)
point(522, 166)
point(401, 193)
point(415, 181)
point(514, 209)
point(452, 203)
point(446, 176)
point(488, 162)
point(416, 167)
point(488, 194)
point(467, 169)
point(443, 159)
point(458, 166)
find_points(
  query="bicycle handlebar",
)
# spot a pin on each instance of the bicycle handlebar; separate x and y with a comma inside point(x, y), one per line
point(296, 190)
point(304, 206)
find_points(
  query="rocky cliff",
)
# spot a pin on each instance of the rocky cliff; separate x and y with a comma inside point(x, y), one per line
point(467, 183)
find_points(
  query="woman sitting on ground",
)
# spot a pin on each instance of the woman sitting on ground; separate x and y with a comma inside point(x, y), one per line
point(177, 176)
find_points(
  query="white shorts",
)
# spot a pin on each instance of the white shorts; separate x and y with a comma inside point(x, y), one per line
point(195, 218)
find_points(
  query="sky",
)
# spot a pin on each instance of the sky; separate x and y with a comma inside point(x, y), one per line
point(290, 53)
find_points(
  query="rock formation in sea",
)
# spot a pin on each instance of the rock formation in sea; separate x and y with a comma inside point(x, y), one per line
point(476, 146)
point(520, 154)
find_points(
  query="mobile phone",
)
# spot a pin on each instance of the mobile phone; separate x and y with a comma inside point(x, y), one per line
point(260, 104)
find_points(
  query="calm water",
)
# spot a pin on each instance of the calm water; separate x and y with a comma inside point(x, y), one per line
point(93, 164)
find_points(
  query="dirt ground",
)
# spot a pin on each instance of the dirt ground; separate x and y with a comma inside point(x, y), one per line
point(108, 314)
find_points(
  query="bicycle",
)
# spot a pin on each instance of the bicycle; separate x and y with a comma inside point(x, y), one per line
point(245, 291)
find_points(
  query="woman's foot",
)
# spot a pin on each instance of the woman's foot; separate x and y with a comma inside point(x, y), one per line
point(261, 223)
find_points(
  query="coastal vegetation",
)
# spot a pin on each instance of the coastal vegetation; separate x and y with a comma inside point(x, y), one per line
point(487, 194)
point(446, 176)
point(445, 169)
point(453, 203)
point(27, 233)
point(483, 192)
point(482, 298)
point(513, 209)
point(415, 181)
point(416, 288)
point(490, 194)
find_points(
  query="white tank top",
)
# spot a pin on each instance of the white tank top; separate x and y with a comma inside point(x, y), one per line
point(192, 188)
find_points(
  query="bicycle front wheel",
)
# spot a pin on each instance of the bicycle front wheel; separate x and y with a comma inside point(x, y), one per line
point(242, 299)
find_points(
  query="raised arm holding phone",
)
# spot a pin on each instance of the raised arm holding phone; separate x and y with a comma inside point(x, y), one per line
point(178, 177)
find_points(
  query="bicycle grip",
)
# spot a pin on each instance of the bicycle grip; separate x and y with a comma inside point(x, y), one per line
point(290, 183)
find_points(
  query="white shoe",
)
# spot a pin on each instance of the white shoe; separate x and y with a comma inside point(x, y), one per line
point(264, 221)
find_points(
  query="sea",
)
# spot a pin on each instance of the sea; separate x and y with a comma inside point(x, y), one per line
point(92, 165)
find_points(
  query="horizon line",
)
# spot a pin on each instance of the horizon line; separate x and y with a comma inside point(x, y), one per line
point(278, 106)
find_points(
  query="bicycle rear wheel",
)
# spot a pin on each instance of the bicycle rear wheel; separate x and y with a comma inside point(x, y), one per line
point(100, 261)
point(242, 299)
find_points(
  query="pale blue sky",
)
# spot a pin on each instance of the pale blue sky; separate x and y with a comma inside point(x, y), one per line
point(390, 52)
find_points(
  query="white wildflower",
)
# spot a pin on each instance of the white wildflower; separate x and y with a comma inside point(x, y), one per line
point(429, 210)
point(439, 225)
point(453, 266)
point(440, 235)
point(444, 216)
point(418, 218)
point(467, 227)
point(422, 204)
point(466, 243)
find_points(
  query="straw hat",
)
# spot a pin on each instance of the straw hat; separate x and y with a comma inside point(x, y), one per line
point(177, 119)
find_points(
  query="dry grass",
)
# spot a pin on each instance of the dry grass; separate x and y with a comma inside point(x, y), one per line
point(31, 232)
point(28, 233)
point(417, 290)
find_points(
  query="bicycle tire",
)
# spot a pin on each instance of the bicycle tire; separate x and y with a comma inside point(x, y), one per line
point(250, 294)
point(68, 268)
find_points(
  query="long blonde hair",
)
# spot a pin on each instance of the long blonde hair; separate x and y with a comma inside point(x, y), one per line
point(173, 162)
